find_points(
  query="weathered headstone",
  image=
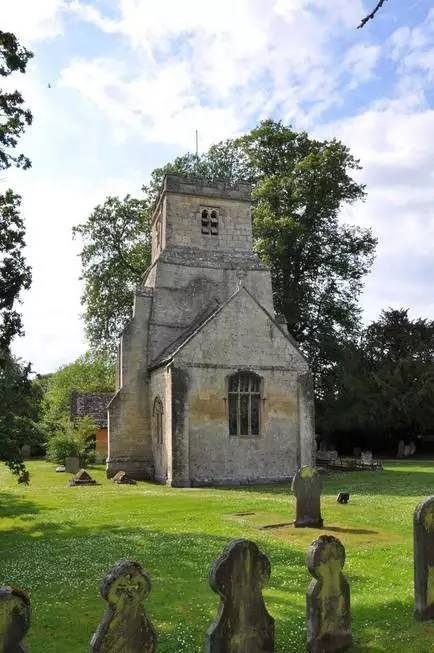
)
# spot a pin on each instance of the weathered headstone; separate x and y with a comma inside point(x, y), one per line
point(14, 619)
point(406, 451)
point(307, 486)
point(82, 478)
point(366, 457)
point(72, 464)
point(333, 455)
point(328, 598)
point(243, 624)
point(26, 451)
point(412, 446)
point(343, 497)
point(122, 478)
point(423, 530)
point(401, 446)
point(61, 468)
point(125, 627)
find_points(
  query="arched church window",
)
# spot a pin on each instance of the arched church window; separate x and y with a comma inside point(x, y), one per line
point(214, 223)
point(244, 402)
point(158, 419)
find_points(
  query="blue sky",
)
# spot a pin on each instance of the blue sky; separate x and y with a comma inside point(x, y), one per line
point(131, 80)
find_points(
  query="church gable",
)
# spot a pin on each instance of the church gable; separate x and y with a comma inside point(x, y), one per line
point(241, 333)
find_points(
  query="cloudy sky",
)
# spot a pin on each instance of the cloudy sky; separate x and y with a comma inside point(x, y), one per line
point(118, 87)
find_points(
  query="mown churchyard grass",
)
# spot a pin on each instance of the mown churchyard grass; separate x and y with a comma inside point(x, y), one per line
point(57, 542)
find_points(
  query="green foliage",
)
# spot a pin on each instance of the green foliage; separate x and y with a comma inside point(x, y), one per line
point(20, 407)
point(15, 275)
point(88, 374)
point(73, 439)
point(317, 263)
point(383, 390)
point(13, 116)
point(116, 252)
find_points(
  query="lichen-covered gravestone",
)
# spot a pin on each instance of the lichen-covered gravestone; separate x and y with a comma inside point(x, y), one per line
point(72, 464)
point(423, 529)
point(125, 628)
point(366, 457)
point(328, 598)
point(122, 478)
point(307, 486)
point(243, 624)
point(14, 619)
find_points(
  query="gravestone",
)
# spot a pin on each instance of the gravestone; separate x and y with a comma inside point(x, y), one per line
point(243, 624)
point(72, 464)
point(14, 619)
point(307, 486)
point(82, 478)
point(423, 532)
point(412, 446)
point(328, 598)
point(406, 451)
point(61, 468)
point(122, 478)
point(401, 446)
point(125, 627)
point(366, 457)
point(343, 497)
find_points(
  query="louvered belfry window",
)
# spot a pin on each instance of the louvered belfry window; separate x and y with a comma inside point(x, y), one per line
point(210, 222)
point(244, 404)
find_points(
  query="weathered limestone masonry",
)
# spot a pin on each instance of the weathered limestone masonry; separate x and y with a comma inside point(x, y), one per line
point(211, 388)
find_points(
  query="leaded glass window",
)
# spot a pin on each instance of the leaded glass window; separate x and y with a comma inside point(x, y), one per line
point(244, 399)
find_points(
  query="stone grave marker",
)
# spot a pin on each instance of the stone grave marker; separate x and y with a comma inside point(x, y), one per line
point(125, 627)
point(401, 447)
point(14, 619)
point(343, 497)
point(82, 478)
point(61, 468)
point(72, 464)
point(307, 486)
point(412, 446)
point(122, 478)
point(423, 532)
point(366, 457)
point(243, 624)
point(406, 451)
point(328, 598)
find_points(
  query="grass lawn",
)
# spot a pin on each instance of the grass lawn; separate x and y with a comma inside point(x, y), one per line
point(57, 542)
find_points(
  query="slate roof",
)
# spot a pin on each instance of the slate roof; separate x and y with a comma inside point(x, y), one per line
point(91, 403)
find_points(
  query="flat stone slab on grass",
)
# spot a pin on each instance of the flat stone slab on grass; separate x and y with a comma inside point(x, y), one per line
point(60, 468)
point(82, 478)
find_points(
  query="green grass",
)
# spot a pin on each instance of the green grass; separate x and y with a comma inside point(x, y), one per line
point(57, 543)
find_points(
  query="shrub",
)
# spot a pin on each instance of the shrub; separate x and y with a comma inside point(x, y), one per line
point(74, 439)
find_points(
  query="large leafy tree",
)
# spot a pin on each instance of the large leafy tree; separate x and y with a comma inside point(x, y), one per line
point(317, 263)
point(17, 393)
point(384, 390)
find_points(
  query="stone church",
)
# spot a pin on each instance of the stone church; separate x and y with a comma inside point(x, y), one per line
point(211, 387)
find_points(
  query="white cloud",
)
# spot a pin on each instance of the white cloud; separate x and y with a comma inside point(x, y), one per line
point(32, 20)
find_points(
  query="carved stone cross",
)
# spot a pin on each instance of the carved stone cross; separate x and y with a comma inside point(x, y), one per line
point(423, 529)
point(307, 486)
point(328, 598)
point(14, 619)
point(243, 624)
point(125, 628)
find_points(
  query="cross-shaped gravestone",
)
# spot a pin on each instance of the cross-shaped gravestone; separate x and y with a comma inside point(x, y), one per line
point(307, 486)
point(328, 598)
point(14, 619)
point(243, 624)
point(423, 529)
point(125, 628)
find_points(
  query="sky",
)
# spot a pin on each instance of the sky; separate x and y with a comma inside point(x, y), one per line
point(118, 88)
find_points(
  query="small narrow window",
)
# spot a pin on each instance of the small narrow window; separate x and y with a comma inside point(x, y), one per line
point(158, 420)
point(214, 223)
point(244, 403)
point(205, 222)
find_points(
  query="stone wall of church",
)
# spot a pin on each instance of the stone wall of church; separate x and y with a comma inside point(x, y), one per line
point(160, 388)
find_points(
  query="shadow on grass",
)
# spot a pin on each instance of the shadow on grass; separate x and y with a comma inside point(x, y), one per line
point(12, 506)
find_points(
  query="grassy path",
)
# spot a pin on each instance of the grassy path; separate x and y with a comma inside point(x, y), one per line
point(57, 543)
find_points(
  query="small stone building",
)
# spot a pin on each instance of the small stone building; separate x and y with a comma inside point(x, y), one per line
point(95, 405)
point(211, 387)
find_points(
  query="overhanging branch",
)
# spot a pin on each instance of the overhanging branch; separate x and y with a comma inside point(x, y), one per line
point(372, 14)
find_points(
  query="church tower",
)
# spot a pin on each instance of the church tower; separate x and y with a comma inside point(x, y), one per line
point(210, 386)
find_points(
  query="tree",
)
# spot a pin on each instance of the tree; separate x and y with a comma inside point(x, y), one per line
point(372, 15)
point(17, 393)
point(87, 374)
point(384, 390)
point(115, 255)
point(317, 264)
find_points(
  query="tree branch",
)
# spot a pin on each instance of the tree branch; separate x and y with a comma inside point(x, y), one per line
point(372, 14)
